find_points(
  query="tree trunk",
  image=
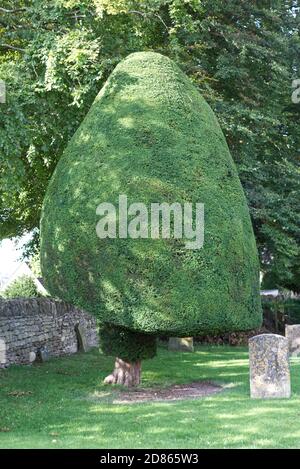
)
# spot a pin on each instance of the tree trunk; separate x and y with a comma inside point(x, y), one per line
point(128, 374)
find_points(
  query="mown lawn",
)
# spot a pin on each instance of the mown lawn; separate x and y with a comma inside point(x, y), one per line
point(63, 404)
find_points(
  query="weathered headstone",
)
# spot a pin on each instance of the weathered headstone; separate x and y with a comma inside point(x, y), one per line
point(42, 354)
point(269, 367)
point(32, 357)
point(292, 333)
point(183, 344)
point(81, 338)
point(2, 351)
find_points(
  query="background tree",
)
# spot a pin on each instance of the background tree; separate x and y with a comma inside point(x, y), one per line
point(22, 287)
point(241, 55)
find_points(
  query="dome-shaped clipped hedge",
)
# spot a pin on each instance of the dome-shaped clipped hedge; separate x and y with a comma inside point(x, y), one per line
point(150, 135)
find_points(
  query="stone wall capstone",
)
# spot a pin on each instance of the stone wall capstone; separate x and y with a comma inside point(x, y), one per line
point(28, 326)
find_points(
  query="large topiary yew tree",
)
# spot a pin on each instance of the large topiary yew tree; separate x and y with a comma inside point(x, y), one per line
point(149, 135)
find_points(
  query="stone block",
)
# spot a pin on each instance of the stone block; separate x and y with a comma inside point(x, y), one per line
point(292, 333)
point(269, 367)
point(183, 344)
point(81, 338)
point(3, 357)
point(31, 357)
point(42, 355)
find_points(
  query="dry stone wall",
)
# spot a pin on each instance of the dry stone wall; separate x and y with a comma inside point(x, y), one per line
point(40, 327)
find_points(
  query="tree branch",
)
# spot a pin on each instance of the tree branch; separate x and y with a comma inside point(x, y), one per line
point(145, 15)
point(7, 46)
point(16, 10)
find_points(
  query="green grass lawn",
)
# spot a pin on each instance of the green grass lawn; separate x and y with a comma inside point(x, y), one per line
point(65, 405)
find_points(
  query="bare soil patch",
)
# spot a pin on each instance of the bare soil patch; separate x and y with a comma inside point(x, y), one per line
point(171, 393)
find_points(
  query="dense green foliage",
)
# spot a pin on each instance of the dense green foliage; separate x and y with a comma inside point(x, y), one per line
point(121, 342)
point(151, 136)
point(241, 55)
point(22, 287)
point(285, 311)
point(291, 308)
point(64, 404)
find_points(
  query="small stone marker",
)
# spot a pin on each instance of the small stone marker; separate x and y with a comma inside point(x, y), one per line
point(269, 367)
point(81, 338)
point(2, 351)
point(42, 355)
point(183, 344)
point(32, 357)
point(292, 333)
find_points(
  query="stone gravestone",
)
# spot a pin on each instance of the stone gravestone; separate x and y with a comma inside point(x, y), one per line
point(292, 333)
point(81, 338)
point(42, 355)
point(2, 351)
point(269, 367)
point(183, 344)
point(32, 357)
